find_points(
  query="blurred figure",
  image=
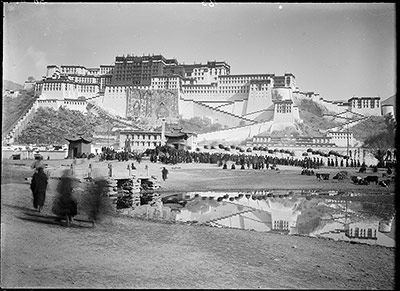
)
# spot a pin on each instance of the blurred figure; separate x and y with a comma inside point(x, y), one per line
point(90, 171)
point(109, 169)
point(37, 164)
point(164, 173)
point(95, 200)
point(64, 203)
point(39, 186)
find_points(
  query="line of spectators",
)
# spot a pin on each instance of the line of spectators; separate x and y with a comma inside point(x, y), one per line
point(170, 155)
point(109, 154)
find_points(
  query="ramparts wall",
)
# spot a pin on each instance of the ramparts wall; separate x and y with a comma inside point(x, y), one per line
point(235, 134)
point(190, 108)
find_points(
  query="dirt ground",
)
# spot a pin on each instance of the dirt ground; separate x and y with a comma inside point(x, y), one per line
point(123, 252)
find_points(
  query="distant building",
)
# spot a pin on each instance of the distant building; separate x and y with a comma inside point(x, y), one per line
point(71, 81)
point(11, 93)
point(139, 140)
point(152, 86)
point(29, 84)
point(78, 146)
point(361, 230)
point(388, 109)
point(201, 88)
point(366, 105)
point(205, 73)
point(268, 141)
point(341, 138)
point(181, 140)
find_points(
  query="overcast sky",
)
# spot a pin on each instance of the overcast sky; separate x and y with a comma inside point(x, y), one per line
point(336, 50)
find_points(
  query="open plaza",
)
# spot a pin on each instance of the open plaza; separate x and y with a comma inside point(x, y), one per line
point(124, 251)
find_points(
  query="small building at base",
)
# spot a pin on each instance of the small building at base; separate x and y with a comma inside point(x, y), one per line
point(78, 146)
point(140, 140)
point(181, 140)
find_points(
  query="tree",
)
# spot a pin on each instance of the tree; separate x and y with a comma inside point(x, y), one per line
point(50, 126)
point(381, 142)
point(370, 126)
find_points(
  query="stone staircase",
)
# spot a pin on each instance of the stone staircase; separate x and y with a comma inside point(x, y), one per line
point(10, 135)
point(341, 127)
point(248, 121)
point(107, 115)
point(230, 215)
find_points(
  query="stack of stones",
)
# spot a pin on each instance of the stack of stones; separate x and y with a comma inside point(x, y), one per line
point(128, 193)
point(112, 192)
point(135, 191)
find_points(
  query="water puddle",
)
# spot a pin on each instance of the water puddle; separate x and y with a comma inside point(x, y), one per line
point(340, 216)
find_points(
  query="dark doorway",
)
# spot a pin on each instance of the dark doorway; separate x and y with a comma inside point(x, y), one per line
point(75, 154)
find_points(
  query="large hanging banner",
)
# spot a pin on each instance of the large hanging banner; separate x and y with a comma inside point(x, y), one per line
point(152, 105)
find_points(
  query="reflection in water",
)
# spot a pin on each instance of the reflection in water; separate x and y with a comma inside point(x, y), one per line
point(336, 217)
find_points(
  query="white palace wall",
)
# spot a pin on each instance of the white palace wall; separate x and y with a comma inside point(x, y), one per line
point(217, 116)
point(258, 98)
point(186, 108)
point(79, 105)
point(189, 109)
point(237, 107)
point(71, 104)
point(114, 100)
point(234, 134)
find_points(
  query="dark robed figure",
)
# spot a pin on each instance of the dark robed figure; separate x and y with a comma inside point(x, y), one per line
point(65, 204)
point(164, 172)
point(38, 187)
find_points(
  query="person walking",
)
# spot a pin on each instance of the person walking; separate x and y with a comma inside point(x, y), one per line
point(65, 204)
point(39, 186)
point(95, 201)
point(38, 163)
point(164, 172)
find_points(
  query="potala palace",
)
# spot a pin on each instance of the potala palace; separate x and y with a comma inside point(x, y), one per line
point(151, 88)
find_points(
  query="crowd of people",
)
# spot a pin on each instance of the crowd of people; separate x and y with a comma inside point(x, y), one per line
point(65, 205)
point(169, 155)
point(108, 154)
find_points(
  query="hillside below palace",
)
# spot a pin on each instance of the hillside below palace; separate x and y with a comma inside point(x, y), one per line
point(152, 88)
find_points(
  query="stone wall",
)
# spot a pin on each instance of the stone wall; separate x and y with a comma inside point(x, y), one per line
point(190, 109)
point(218, 115)
point(235, 134)
point(258, 100)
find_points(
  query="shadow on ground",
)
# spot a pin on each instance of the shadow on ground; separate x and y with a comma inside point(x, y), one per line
point(53, 220)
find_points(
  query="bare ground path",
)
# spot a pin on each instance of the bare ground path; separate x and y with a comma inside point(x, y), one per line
point(123, 252)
